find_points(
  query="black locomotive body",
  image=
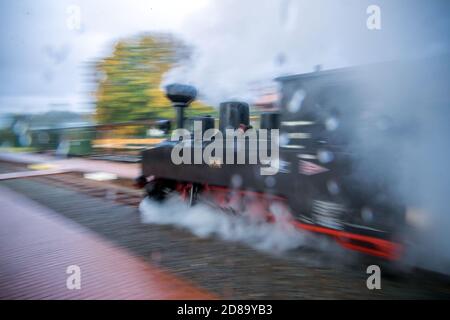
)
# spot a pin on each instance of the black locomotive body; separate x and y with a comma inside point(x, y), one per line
point(341, 139)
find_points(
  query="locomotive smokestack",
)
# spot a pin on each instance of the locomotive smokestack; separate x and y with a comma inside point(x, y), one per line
point(233, 114)
point(181, 96)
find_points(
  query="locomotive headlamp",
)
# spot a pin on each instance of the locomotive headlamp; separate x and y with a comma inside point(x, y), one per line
point(180, 95)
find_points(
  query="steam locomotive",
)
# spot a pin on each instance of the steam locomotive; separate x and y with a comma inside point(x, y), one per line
point(342, 136)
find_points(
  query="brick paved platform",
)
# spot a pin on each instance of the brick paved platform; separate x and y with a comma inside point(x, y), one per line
point(37, 245)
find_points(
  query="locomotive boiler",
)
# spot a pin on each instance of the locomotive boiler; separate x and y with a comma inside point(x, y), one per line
point(340, 149)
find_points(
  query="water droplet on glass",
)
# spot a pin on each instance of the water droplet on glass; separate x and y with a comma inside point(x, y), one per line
point(333, 187)
point(331, 124)
point(295, 104)
point(236, 181)
point(325, 156)
point(367, 214)
point(270, 182)
point(284, 139)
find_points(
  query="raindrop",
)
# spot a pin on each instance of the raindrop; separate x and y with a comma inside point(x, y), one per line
point(277, 209)
point(325, 156)
point(331, 124)
point(333, 187)
point(295, 104)
point(25, 140)
point(367, 214)
point(20, 127)
point(270, 182)
point(284, 139)
point(236, 181)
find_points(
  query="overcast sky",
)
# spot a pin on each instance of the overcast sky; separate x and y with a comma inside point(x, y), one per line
point(43, 50)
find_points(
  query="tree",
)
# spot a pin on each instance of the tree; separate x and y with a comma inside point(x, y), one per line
point(129, 80)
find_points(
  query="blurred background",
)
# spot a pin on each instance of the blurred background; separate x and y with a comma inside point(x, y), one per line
point(78, 63)
point(86, 79)
point(75, 65)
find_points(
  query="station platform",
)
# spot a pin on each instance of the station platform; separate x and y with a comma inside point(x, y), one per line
point(37, 246)
point(60, 165)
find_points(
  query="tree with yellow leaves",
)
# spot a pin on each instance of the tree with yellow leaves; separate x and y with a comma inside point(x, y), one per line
point(129, 81)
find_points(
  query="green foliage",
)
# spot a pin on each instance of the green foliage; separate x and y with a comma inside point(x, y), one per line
point(8, 138)
point(129, 80)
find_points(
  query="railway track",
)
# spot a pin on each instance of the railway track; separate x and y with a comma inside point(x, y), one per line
point(119, 191)
point(230, 270)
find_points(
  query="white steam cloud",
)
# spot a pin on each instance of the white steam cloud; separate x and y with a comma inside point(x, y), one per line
point(206, 222)
point(237, 43)
point(402, 139)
